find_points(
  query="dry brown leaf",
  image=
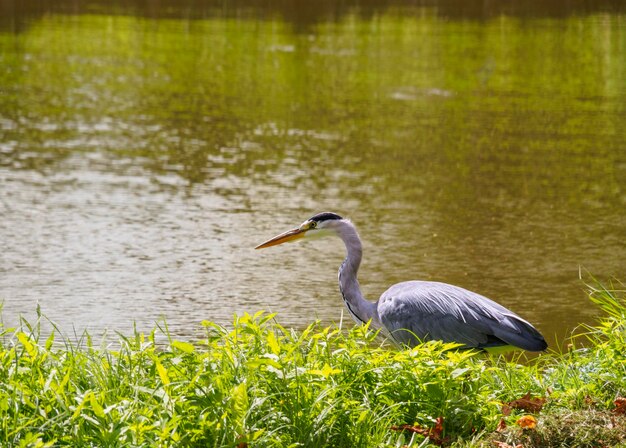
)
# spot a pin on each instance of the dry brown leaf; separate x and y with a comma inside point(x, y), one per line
point(411, 428)
point(434, 434)
point(526, 403)
point(501, 426)
point(438, 429)
point(620, 406)
point(527, 422)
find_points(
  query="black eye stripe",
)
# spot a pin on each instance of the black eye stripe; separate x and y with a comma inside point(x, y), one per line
point(324, 216)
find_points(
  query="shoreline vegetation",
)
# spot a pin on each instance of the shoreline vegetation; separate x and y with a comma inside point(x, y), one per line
point(260, 384)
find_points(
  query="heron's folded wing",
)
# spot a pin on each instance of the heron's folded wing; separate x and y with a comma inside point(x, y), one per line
point(414, 311)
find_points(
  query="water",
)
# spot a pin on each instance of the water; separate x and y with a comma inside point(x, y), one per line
point(146, 148)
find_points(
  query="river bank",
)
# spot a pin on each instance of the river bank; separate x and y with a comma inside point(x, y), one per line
point(260, 384)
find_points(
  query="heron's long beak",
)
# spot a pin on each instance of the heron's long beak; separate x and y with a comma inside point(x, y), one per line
point(289, 235)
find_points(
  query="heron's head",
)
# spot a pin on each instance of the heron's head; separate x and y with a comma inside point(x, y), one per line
point(317, 225)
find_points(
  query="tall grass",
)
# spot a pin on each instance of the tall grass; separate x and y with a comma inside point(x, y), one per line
point(259, 384)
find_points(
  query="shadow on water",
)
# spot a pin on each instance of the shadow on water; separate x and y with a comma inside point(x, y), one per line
point(303, 16)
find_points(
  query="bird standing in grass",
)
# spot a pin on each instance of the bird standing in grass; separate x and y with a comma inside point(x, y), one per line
point(416, 311)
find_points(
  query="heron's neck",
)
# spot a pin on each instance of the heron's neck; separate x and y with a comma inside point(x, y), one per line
point(360, 309)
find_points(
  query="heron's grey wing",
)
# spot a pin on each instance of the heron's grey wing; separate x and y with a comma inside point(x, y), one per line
point(431, 310)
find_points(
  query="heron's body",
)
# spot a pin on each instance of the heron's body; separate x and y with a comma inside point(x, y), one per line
point(416, 311)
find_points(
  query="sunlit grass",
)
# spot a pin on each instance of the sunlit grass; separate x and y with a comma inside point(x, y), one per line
point(259, 384)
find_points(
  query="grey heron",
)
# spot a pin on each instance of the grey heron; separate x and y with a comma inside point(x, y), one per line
point(415, 311)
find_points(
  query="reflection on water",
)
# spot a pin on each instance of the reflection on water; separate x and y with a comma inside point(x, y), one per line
point(147, 148)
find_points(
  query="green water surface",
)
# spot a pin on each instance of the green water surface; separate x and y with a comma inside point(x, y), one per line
point(147, 147)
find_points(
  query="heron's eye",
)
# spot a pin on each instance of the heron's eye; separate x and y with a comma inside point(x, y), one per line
point(312, 225)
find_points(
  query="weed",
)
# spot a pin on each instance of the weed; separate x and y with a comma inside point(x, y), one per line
point(260, 384)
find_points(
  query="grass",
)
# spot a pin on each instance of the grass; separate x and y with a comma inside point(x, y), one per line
point(259, 384)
